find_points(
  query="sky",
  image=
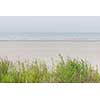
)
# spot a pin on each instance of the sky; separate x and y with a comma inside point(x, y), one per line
point(49, 24)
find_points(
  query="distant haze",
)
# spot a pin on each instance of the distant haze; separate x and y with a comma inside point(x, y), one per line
point(49, 24)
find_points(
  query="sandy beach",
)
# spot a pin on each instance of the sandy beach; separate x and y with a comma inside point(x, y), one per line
point(45, 50)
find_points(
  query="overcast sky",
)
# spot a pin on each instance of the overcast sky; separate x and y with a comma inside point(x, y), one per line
point(49, 24)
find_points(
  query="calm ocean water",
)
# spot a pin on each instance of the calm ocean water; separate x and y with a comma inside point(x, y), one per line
point(49, 36)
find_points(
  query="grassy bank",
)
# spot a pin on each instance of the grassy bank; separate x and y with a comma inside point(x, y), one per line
point(64, 71)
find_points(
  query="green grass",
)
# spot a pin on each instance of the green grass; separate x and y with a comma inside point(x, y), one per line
point(64, 71)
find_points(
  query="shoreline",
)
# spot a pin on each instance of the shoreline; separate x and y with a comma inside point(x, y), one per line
point(69, 40)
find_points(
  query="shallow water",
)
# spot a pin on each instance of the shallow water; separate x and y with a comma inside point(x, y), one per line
point(48, 36)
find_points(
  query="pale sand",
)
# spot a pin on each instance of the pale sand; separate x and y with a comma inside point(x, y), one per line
point(46, 50)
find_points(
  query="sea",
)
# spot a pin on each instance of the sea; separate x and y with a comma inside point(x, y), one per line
point(48, 36)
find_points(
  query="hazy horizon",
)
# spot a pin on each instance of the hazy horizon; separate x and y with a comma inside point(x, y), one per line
point(44, 24)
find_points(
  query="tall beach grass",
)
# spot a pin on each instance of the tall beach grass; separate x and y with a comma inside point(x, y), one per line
point(64, 71)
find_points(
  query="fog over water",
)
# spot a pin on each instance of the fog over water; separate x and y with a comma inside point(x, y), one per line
point(49, 28)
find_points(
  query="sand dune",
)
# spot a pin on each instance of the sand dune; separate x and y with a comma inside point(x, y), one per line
point(50, 49)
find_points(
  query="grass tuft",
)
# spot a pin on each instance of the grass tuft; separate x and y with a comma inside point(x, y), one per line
point(65, 71)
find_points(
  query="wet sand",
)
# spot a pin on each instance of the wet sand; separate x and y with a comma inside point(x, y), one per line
point(45, 50)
